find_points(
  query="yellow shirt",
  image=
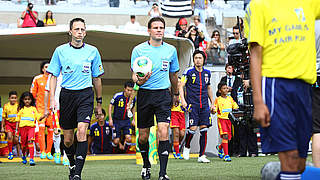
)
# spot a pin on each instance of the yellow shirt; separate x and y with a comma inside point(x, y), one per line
point(224, 106)
point(177, 108)
point(3, 140)
point(285, 30)
point(50, 21)
point(9, 112)
point(28, 116)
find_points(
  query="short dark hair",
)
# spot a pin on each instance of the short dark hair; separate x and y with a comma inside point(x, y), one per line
point(13, 93)
point(228, 64)
point(103, 112)
point(235, 27)
point(155, 4)
point(76, 20)
point(221, 84)
point(132, 17)
point(154, 19)
point(199, 52)
point(43, 63)
point(128, 84)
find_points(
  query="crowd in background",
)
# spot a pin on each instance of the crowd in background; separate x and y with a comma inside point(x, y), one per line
point(196, 32)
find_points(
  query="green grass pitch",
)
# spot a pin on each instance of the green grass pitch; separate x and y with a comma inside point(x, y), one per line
point(245, 168)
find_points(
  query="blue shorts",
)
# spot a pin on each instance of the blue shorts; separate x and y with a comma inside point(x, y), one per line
point(290, 105)
point(122, 125)
point(199, 116)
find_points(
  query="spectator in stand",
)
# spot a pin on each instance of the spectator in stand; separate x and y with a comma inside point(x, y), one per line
point(195, 35)
point(132, 25)
point(236, 35)
point(154, 11)
point(50, 2)
point(29, 17)
point(114, 3)
point(199, 9)
point(49, 20)
point(181, 27)
point(201, 27)
point(216, 49)
point(100, 138)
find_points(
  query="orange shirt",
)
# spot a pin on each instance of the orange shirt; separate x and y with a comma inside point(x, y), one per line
point(37, 89)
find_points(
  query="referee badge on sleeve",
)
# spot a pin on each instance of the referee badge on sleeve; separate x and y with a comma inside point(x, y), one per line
point(100, 68)
point(165, 65)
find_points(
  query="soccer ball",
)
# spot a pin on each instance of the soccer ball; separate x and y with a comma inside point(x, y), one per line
point(270, 171)
point(142, 65)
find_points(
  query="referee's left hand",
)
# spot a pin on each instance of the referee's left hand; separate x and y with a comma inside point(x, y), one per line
point(175, 100)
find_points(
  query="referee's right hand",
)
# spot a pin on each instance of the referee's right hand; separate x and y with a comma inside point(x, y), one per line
point(144, 79)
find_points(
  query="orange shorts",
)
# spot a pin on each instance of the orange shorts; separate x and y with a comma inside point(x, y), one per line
point(10, 126)
point(4, 151)
point(27, 134)
point(178, 120)
point(224, 126)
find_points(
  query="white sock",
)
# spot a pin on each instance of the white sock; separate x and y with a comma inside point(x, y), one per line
point(56, 142)
point(64, 156)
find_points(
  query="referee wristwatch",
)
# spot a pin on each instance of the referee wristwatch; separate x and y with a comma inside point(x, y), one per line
point(99, 100)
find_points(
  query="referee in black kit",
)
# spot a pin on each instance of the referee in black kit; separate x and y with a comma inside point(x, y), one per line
point(80, 66)
point(154, 97)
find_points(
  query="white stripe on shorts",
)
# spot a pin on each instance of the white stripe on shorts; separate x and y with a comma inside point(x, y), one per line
point(272, 96)
point(263, 88)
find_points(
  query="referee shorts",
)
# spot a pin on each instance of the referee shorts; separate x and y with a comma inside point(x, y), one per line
point(290, 103)
point(75, 106)
point(152, 103)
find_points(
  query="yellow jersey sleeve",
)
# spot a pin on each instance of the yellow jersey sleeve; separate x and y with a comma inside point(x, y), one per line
point(315, 4)
point(19, 115)
point(215, 105)
point(4, 112)
point(254, 23)
point(37, 115)
point(234, 104)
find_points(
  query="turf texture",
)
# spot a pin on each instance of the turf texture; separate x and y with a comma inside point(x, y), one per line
point(240, 168)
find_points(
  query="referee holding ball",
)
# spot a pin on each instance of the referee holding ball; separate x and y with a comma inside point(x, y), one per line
point(80, 65)
point(154, 97)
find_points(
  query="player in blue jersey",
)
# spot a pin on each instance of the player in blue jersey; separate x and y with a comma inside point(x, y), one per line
point(154, 98)
point(119, 118)
point(80, 65)
point(100, 137)
point(198, 90)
